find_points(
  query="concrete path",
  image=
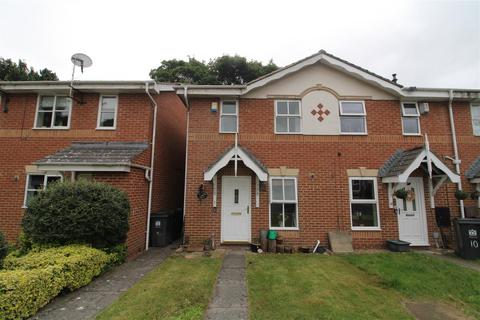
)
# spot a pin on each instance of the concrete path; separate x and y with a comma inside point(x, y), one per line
point(87, 302)
point(230, 298)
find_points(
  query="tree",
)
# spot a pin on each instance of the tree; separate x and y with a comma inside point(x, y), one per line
point(222, 70)
point(11, 71)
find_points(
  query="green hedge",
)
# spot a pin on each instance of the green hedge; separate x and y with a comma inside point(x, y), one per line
point(31, 281)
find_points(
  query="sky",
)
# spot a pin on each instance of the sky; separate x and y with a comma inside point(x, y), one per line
point(427, 43)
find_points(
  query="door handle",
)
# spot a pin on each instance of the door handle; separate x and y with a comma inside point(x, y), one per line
point(248, 209)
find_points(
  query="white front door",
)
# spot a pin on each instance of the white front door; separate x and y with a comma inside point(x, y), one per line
point(412, 219)
point(236, 209)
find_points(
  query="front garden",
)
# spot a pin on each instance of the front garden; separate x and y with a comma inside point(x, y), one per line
point(72, 233)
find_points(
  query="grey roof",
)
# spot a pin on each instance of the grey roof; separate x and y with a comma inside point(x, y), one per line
point(399, 162)
point(248, 153)
point(474, 170)
point(96, 153)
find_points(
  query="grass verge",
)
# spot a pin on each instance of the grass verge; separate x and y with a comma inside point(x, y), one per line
point(178, 289)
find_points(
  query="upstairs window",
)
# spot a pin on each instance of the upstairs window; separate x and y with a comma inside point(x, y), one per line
point(107, 112)
point(364, 203)
point(229, 117)
point(287, 117)
point(37, 183)
point(283, 203)
point(53, 112)
point(475, 110)
point(353, 117)
point(410, 118)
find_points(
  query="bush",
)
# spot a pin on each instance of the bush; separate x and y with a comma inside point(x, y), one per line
point(78, 212)
point(117, 253)
point(31, 281)
point(23, 292)
point(3, 248)
point(78, 264)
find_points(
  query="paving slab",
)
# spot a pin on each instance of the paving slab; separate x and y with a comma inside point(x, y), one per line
point(230, 299)
point(85, 303)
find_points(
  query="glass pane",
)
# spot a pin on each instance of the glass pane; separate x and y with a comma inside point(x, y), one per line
point(46, 103)
point(276, 216)
point(51, 180)
point(35, 182)
point(109, 104)
point(289, 185)
point(229, 123)
point(61, 119)
point(294, 107)
point(352, 124)
point(414, 203)
point(30, 195)
point(352, 107)
point(63, 103)
point(277, 189)
point(294, 124)
point(410, 125)
point(410, 109)
point(364, 215)
point(235, 196)
point(363, 189)
point(282, 107)
point(107, 119)
point(476, 127)
point(281, 124)
point(44, 120)
point(290, 215)
point(229, 108)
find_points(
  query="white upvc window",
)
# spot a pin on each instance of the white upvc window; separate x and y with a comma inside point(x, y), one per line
point(287, 117)
point(364, 211)
point(353, 117)
point(107, 112)
point(410, 119)
point(475, 111)
point(53, 112)
point(37, 182)
point(229, 116)
point(283, 203)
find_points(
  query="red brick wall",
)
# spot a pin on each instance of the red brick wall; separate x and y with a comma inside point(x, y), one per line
point(21, 145)
point(323, 162)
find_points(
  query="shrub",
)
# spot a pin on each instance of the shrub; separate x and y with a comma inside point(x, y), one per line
point(23, 292)
point(78, 212)
point(3, 248)
point(118, 254)
point(78, 264)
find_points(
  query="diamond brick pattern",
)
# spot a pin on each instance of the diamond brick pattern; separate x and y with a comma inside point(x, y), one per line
point(320, 112)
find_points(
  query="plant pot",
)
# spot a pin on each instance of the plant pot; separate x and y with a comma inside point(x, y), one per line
point(461, 195)
point(401, 194)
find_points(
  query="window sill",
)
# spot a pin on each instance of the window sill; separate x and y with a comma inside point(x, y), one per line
point(228, 132)
point(106, 128)
point(412, 134)
point(297, 133)
point(60, 128)
point(353, 133)
point(366, 229)
point(284, 229)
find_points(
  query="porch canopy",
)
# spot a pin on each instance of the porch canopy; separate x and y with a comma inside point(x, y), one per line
point(237, 153)
point(403, 163)
point(473, 173)
point(93, 156)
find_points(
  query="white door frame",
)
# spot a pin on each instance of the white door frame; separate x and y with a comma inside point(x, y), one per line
point(422, 208)
point(249, 213)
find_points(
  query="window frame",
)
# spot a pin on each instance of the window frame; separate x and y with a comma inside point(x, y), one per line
point(287, 116)
point(349, 114)
point(282, 202)
point(39, 98)
point(404, 115)
point(45, 179)
point(474, 105)
point(99, 114)
point(364, 201)
point(228, 114)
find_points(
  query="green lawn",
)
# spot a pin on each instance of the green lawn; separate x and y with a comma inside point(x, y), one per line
point(179, 288)
point(369, 286)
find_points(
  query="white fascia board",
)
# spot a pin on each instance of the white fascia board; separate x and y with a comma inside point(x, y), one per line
point(218, 91)
point(262, 175)
point(208, 175)
point(83, 168)
point(390, 179)
point(455, 178)
point(62, 86)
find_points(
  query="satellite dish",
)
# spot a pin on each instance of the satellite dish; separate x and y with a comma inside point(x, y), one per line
point(81, 60)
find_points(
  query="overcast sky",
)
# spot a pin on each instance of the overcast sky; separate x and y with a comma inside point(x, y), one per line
point(427, 43)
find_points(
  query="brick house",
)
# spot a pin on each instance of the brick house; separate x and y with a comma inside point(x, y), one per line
point(105, 133)
point(323, 145)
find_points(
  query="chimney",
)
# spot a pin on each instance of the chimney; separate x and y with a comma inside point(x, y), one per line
point(394, 78)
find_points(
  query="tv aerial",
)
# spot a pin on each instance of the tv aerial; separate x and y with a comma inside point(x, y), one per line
point(79, 60)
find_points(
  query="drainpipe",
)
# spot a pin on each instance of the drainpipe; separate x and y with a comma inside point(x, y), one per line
point(185, 93)
point(152, 158)
point(456, 160)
